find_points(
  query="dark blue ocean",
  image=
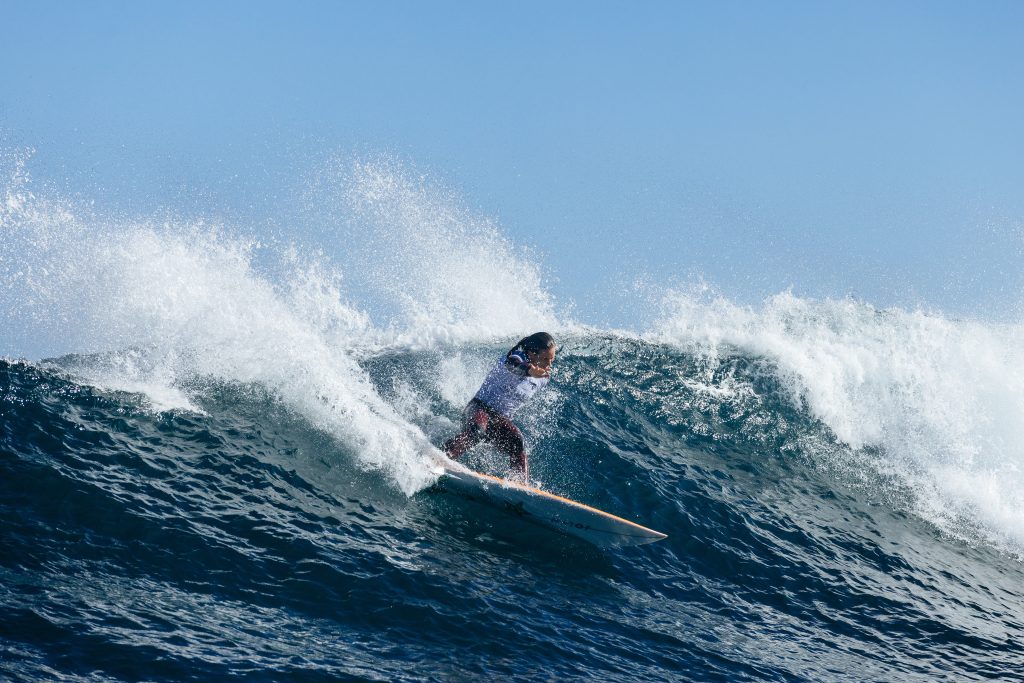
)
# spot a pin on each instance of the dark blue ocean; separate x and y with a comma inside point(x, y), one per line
point(214, 466)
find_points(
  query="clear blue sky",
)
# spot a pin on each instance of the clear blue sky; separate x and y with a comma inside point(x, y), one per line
point(866, 148)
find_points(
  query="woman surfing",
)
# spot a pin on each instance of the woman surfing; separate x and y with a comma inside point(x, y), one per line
point(516, 378)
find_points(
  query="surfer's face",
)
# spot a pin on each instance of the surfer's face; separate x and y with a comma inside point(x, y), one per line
point(542, 359)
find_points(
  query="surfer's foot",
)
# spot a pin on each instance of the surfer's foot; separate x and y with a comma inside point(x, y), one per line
point(519, 477)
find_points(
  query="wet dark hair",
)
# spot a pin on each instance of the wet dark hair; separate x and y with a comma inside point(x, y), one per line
point(538, 341)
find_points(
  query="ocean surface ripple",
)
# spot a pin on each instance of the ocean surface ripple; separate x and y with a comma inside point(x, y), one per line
point(240, 541)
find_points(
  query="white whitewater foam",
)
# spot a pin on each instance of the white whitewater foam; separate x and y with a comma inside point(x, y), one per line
point(943, 399)
point(163, 302)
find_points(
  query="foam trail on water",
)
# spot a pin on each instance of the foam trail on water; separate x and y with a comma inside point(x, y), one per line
point(943, 399)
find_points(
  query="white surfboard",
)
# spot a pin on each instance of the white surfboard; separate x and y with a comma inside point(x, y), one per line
point(534, 505)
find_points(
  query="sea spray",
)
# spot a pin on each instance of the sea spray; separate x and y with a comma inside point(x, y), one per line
point(150, 305)
point(938, 402)
point(431, 269)
point(171, 302)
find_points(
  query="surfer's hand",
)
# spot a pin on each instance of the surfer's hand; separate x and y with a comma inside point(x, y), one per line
point(537, 371)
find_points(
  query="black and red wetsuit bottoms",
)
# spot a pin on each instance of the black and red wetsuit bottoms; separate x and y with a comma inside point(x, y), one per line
point(480, 422)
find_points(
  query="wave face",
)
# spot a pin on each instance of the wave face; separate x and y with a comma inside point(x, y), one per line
point(220, 473)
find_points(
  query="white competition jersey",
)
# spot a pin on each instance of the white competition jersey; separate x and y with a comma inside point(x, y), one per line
point(508, 385)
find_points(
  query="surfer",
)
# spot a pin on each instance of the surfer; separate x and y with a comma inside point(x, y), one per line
point(515, 378)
